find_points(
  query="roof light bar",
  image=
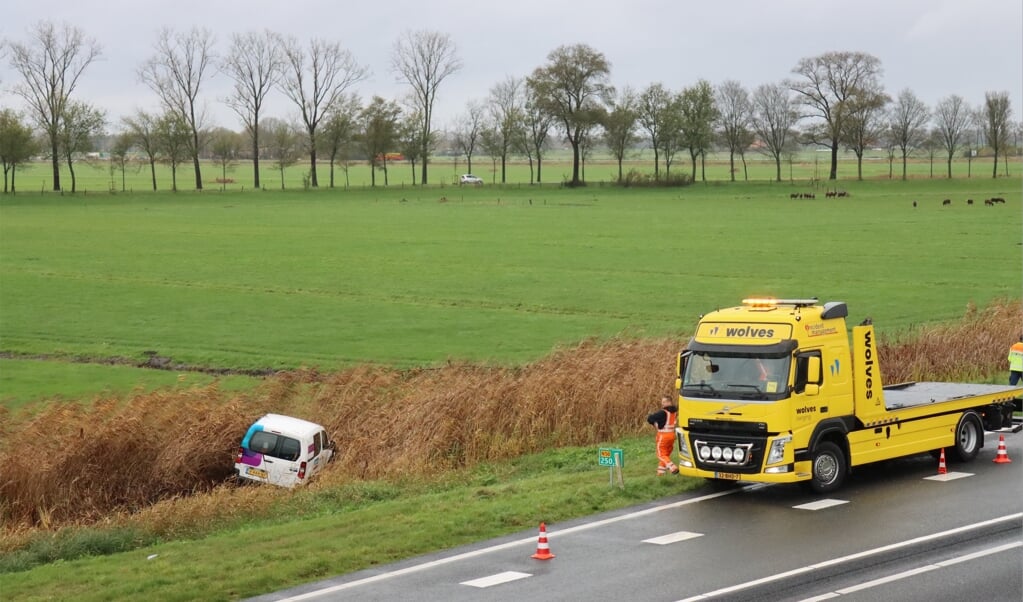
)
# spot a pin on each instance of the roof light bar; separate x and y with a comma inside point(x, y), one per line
point(772, 302)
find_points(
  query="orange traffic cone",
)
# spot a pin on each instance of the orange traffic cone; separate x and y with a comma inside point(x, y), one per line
point(941, 463)
point(1002, 457)
point(542, 551)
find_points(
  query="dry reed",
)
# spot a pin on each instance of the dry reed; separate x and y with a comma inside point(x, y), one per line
point(166, 458)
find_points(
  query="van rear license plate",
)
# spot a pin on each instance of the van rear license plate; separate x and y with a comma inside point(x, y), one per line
point(256, 472)
point(728, 476)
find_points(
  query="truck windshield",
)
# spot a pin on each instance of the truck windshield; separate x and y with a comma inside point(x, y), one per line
point(736, 376)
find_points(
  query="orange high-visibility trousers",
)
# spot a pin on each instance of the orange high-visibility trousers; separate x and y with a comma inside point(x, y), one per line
point(665, 442)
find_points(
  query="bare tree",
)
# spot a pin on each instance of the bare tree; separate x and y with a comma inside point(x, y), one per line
point(225, 145)
point(699, 113)
point(120, 156)
point(974, 137)
point(338, 134)
point(774, 120)
point(931, 145)
point(735, 114)
point(1017, 131)
point(572, 86)
point(174, 142)
point(654, 103)
point(50, 64)
point(490, 142)
point(176, 74)
point(316, 81)
point(423, 60)
point(952, 116)
point(890, 147)
point(536, 128)
point(997, 121)
point(80, 125)
point(620, 125)
point(143, 129)
point(467, 131)
point(863, 125)
point(671, 137)
point(17, 145)
point(589, 136)
point(828, 84)
point(505, 107)
point(254, 63)
point(409, 141)
point(284, 142)
point(908, 124)
point(379, 134)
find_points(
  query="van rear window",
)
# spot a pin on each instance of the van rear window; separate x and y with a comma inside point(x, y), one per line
point(277, 446)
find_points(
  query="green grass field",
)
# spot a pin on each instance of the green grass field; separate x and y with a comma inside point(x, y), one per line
point(266, 280)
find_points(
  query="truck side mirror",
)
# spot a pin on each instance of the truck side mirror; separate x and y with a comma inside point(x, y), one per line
point(680, 365)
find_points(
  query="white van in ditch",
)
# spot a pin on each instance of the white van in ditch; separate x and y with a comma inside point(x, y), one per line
point(283, 451)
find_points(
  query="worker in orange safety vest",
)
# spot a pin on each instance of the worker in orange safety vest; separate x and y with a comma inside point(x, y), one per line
point(664, 421)
point(1016, 362)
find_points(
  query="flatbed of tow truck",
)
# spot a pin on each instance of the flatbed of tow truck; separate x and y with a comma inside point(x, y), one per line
point(908, 395)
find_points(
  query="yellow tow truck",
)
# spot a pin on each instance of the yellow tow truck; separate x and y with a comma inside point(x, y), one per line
point(771, 391)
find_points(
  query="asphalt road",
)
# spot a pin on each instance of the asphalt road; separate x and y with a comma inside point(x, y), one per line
point(897, 531)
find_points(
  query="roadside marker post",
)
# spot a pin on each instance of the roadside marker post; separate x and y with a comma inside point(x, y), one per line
point(614, 459)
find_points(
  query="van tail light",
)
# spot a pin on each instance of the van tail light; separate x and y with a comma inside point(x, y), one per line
point(301, 470)
point(238, 458)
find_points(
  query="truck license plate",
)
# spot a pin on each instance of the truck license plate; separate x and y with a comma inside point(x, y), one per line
point(256, 472)
point(728, 476)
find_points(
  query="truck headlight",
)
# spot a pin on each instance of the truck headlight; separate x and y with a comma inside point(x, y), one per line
point(777, 453)
point(685, 456)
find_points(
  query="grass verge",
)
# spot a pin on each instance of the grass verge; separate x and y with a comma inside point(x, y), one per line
point(334, 529)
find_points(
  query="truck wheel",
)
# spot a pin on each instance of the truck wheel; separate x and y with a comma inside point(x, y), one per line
point(969, 435)
point(829, 468)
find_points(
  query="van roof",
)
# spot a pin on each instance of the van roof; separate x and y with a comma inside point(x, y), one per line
point(278, 422)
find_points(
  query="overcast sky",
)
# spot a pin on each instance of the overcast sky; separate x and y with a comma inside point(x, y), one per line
point(933, 47)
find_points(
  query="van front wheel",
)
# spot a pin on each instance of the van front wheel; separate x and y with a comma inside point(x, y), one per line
point(829, 467)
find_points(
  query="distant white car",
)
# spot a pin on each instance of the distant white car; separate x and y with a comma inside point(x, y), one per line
point(470, 179)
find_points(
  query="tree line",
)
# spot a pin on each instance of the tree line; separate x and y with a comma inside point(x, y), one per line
point(834, 101)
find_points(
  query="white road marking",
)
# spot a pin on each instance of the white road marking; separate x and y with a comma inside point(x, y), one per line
point(948, 476)
point(530, 540)
point(820, 504)
point(664, 540)
point(915, 571)
point(864, 554)
point(497, 579)
point(826, 596)
point(882, 580)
